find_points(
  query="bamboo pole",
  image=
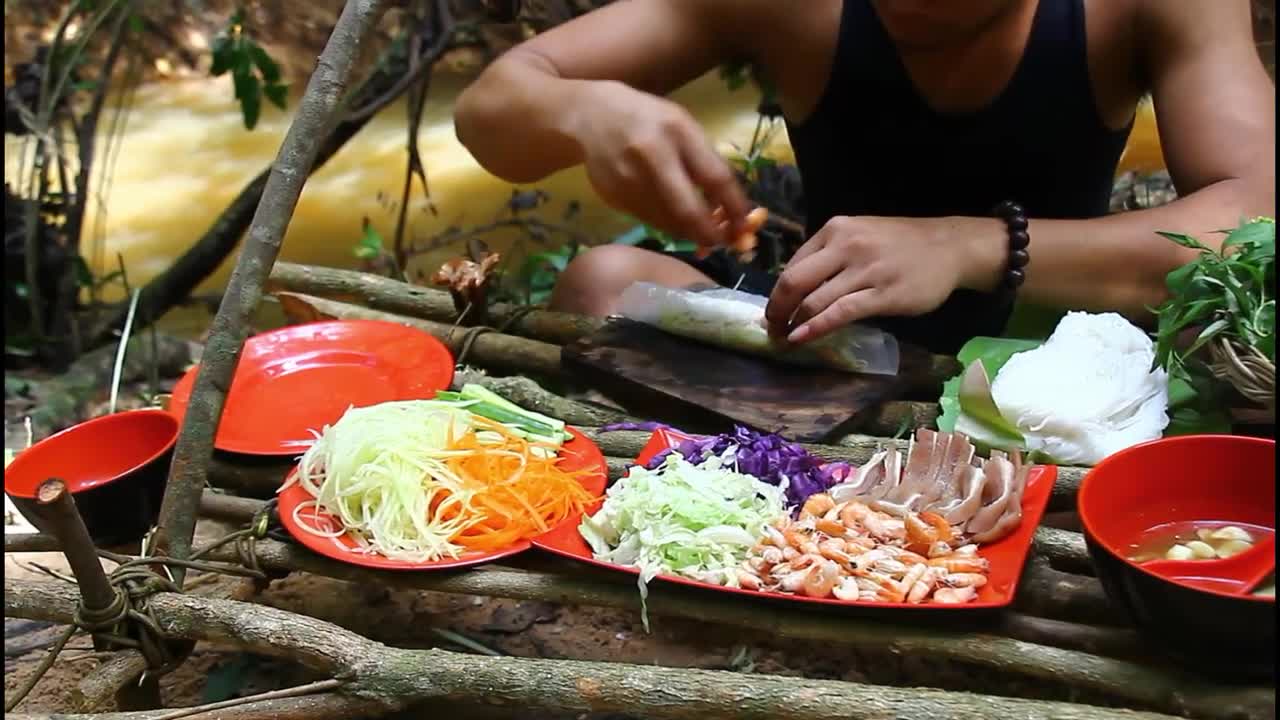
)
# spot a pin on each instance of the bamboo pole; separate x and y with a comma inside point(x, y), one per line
point(318, 112)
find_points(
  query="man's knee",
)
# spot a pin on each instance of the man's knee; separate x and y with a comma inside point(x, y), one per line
point(592, 282)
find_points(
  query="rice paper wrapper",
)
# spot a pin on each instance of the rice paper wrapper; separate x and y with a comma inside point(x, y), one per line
point(734, 320)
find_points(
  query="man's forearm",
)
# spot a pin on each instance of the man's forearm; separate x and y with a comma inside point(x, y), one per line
point(515, 119)
point(1117, 262)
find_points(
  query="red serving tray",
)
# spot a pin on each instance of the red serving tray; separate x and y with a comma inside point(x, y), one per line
point(1007, 556)
point(580, 453)
point(302, 377)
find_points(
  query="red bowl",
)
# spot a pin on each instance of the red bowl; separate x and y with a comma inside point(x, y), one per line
point(1195, 478)
point(115, 466)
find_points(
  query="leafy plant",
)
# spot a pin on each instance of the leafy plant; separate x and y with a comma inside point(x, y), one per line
point(253, 72)
point(1227, 294)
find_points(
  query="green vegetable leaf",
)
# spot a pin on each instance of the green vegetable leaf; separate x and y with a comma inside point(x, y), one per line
point(993, 353)
point(270, 70)
point(249, 93)
point(277, 94)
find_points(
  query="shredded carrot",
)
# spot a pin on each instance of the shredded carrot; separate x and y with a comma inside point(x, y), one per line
point(515, 488)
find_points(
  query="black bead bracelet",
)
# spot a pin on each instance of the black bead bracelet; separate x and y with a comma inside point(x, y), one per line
point(1015, 220)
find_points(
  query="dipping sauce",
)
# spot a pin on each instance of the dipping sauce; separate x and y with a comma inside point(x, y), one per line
point(1196, 540)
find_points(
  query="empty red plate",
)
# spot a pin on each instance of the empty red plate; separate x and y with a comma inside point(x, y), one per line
point(577, 454)
point(300, 378)
point(1007, 556)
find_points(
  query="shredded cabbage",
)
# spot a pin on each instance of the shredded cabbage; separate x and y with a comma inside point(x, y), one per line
point(698, 521)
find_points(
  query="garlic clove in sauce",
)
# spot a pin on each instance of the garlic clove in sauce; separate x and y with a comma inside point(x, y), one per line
point(1201, 550)
point(1231, 532)
point(1232, 547)
point(1179, 552)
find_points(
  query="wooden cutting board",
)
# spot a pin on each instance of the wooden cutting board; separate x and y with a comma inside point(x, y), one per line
point(652, 371)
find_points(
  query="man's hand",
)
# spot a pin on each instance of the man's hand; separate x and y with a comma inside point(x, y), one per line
point(648, 157)
point(860, 267)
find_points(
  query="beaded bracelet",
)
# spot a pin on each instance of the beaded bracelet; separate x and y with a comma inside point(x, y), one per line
point(1015, 219)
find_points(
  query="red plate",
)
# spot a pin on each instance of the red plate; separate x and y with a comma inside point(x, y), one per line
point(577, 454)
point(1007, 556)
point(301, 377)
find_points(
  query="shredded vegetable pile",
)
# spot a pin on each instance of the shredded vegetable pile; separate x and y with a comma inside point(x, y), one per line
point(425, 480)
point(765, 456)
point(699, 521)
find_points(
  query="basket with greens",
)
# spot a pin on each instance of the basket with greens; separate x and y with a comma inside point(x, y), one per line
point(1227, 298)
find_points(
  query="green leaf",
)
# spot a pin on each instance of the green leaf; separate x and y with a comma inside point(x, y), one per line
point(222, 55)
point(84, 276)
point(250, 96)
point(371, 239)
point(277, 94)
point(633, 237)
point(993, 353)
point(270, 70)
point(1184, 240)
point(135, 23)
point(976, 403)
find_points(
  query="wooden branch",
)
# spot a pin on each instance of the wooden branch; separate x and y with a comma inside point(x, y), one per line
point(30, 542)
point(61, 401)
point(316, 116)
point(393, 296)
point(318, 707)
point(488, 349)
point(108, 679)
point(1090, 639)
point(59, 510)
point(1065, 550)
point(1051, 593)
point(397, 677)
point(560, 328)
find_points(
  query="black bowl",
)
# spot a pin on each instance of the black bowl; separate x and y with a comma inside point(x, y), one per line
point(1192, 478)
point(115, 466)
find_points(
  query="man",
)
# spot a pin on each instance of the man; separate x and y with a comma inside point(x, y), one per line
point(911, 120)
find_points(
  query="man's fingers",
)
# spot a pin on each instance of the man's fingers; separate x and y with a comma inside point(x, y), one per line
point(846, 309)
point(713, 175)
point(795, 284)
point(827, 294)
point(689, 212)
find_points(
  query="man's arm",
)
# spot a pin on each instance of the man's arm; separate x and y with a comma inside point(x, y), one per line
point(587, 93)
point(521, 118)
point(1216, 111)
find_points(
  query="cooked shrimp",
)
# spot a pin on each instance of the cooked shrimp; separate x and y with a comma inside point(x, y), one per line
point(913, 576)
point(774, 536)
point(847, 589)
point(817, 505)
point(939, 549)
point(939, 524)
point(834, 549)
point(793, 582)
point(747, 580)
point(964, 579)
point(962, 564)
point(821, 579)
point(834, 528)
point(954, 596)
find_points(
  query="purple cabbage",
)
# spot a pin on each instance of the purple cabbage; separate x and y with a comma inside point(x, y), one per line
point(765, 456)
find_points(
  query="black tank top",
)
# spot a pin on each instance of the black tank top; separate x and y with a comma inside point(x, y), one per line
point(872, 146)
